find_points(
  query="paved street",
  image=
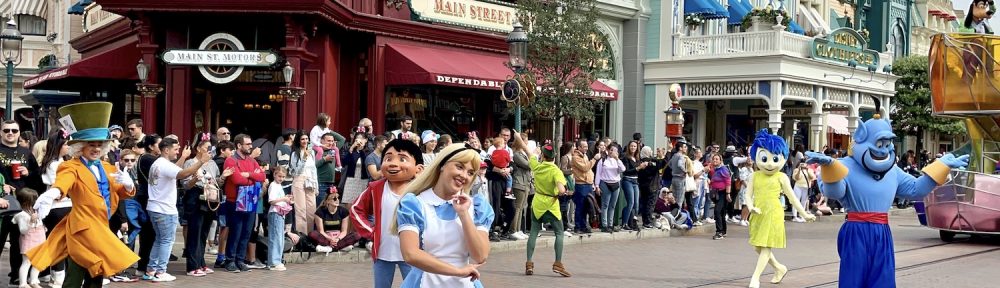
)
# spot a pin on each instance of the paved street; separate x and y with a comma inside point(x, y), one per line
point(690, 261)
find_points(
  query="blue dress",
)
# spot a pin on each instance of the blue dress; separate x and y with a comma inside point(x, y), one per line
point(440, 230)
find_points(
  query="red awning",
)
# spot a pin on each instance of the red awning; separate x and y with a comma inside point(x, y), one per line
point(418, 65)
point(105, 69)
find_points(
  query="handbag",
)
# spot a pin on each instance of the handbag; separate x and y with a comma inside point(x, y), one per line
point(689, 184)
point(570, 183)
point(13, 207)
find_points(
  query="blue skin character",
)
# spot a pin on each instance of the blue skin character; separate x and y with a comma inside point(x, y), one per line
point(866, 183)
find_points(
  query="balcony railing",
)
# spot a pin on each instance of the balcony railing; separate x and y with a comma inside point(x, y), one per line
point(747, 44)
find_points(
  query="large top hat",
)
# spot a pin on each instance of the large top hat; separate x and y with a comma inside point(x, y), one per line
point(89, 120)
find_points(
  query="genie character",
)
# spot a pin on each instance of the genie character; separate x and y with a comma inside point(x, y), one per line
point(866, 182)
point(767, 225)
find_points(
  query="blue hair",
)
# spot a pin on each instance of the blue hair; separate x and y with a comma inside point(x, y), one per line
point(771, 142)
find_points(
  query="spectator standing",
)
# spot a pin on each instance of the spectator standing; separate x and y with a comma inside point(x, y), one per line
point(405, 130)
point(246, 174)
point(648, 183)
point(302, 168)
point(719, 185)
point(609, 171)
point(630, 184)
point(328, 163)
point(322, 128)
point(679, 171)
point(281, 204)
point(804, 179)
point(15, 160)
point(134, 127)
point(196, 205)
point(521, 179)
point(162, 207)
point(698, 201)
point(373, 162)
point(583, 178)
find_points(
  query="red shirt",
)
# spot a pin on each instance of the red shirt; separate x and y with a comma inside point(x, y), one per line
point(500, 158)
point(240, 165)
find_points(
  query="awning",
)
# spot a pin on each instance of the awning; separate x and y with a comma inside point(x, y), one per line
point(79, 7)
point(746, 5)
point(795, 28)
point(419, 65)
point(708, 9)
point(115, 65)
point(736, 12)
point(837, 124)
point(28, 7)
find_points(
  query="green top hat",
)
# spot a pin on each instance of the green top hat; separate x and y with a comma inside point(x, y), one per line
point(89, 120)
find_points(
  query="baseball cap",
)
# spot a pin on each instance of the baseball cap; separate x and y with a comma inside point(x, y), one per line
point(730, 149)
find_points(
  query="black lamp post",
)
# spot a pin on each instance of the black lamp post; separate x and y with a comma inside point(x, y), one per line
point(518, 51)
point(10, 49)
point(144, 88)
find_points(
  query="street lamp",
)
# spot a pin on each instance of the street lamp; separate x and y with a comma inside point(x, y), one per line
point(10, 48)
point(143, 87)
point(518, 51)
point(674, 114)
point(292, 94)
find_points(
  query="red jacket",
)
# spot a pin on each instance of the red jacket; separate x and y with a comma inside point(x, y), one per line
point(239, 165)
point(369, 203)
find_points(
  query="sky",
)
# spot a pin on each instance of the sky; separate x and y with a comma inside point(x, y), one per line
point(964, 5)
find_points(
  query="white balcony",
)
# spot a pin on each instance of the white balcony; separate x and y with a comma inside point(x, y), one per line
point(748, 44)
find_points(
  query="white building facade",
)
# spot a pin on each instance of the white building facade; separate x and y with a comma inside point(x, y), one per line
point(736, 81)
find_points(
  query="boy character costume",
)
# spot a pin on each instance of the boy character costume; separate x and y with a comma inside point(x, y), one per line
point(96, 188)
point(866, 182)
point(767, 225)
point(370, 204)
point(545, 206)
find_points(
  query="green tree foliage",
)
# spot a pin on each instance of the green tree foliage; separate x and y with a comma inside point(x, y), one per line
point(912, 113)
point(562, 57)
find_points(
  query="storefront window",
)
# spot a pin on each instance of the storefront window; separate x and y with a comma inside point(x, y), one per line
point(444, 110)
point(31, 25)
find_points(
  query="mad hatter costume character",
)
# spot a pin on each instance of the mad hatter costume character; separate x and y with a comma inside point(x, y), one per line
point(866, 182)
point(95, 187)
point(767, 225)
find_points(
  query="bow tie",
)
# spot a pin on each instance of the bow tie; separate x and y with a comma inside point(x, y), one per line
point(91, 163)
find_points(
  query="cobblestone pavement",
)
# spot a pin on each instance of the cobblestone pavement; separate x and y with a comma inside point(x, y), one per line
point(685, 261)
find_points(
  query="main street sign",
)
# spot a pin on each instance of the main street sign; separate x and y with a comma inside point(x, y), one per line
point(842, 46)
point(484, 14)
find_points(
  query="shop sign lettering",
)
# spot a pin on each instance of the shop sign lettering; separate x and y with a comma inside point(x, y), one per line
point(486, 15)
point(791, 112)
point(842, 46)
point(219, 58)
point(481, 83)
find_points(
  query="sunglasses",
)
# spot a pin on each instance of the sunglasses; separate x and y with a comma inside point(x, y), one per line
point(11, 131)
point(128, 160)
point(224, 133)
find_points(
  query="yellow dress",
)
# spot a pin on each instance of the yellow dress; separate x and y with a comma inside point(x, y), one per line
point(767, 229)
point(84, 235)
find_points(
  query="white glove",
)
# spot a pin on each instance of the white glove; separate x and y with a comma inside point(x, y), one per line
point(125, 180)
point(44, 202)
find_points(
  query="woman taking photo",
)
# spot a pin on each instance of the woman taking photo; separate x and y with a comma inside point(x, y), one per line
point(630, 185)
point(609, 175)
point(196, 205)
point(302, 169)
point(443, 232)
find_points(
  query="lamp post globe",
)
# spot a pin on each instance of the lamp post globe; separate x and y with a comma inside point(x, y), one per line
point(143, 70)
point(288, 72)
point(10, 49)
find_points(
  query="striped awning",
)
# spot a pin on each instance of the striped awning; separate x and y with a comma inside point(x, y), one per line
point(28, 7)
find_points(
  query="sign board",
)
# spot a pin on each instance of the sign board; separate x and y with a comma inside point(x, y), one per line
point(842, 46)
point(791, 112)
point(219, 58)
point(487, 15)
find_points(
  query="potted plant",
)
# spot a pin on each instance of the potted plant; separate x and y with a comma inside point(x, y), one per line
point(48, 62)
point(763, 19)
point(693, 22)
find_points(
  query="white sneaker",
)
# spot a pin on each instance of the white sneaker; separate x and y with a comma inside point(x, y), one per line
point(164, 277)
point(347, 249)
point(567, 234)
point(323, 249)
point(682, 226)
point(520, 235)
point(279, 267)
point(709, 221)
point(744, 223)
point(369, 246)
point(730, 220)
point(798, 220)
point(697, 223)
point(214, 250)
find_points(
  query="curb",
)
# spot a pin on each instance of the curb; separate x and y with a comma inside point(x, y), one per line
point(359, 255)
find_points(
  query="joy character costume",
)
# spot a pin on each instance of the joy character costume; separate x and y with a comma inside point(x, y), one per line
point(95, 187)
point(866, 182)
point(767, 224)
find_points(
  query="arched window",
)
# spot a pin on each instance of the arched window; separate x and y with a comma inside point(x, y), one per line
point(30, 24)
point(898, 40)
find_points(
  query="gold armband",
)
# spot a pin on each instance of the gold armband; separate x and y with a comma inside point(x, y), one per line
point(834, 172)
point(938, 171)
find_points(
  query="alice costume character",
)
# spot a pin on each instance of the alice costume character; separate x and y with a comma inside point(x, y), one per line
point(866, 182)
point(767, 224)
point(96, 188)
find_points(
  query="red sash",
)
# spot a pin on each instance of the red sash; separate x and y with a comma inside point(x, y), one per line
point(870, 217)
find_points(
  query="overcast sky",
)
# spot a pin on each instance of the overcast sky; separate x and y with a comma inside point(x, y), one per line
point(964, 5)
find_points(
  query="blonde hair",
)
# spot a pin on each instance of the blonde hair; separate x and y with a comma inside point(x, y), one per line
point(39, 150)
point(432, 172)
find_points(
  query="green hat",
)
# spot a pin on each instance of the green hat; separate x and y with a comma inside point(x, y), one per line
point(88, 121)
point(549, 151)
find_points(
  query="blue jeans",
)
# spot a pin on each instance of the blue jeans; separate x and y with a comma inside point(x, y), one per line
point(631, 188)
point(383, 271)
point(698, 203)
point(240, 225)
point(580, 193)
point(608, 201)
point(165, 227)
point(275, 238)
point(322, 191)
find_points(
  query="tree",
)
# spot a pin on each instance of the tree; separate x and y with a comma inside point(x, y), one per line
point(563, 59)
point(912, 113)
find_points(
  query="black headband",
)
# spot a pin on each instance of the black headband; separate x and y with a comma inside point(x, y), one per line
point(453, 153)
